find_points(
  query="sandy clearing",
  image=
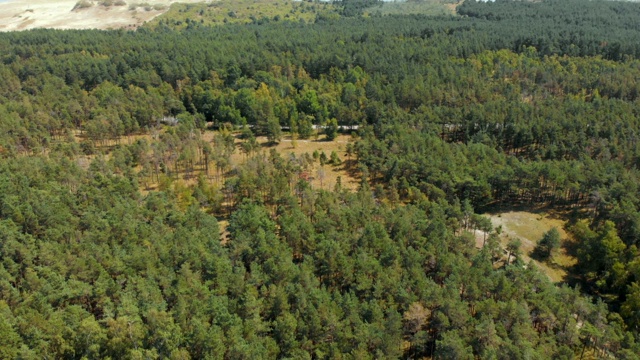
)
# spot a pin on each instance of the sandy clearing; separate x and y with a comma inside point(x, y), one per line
point(529, 228)
point(60, 14)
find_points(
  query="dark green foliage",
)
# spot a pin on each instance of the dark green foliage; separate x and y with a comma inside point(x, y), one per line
point(567, 26)
point(355, 7)
point(549, 242)
point(127, 259)
point(342, 276)
point(517, 102)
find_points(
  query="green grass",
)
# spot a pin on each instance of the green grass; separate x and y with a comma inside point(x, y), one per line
point(424, 7)
point(242, 11)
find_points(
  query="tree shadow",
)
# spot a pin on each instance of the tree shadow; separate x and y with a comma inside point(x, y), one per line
point(499, 207)
point(540, 255)
point(574, 275)
point(570, 213)
point(350, 166)
point(269, 144)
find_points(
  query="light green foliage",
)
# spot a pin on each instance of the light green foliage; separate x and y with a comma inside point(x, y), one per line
point(449, 115)
point(242, 11)
point(331, 129)
point(424, 7)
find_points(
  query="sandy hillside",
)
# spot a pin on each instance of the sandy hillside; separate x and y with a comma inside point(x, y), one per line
point(60, 14)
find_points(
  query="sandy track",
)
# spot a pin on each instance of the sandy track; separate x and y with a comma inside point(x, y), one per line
point(60, 14)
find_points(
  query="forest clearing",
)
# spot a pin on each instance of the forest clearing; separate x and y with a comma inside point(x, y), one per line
point(529, 227)
point(328, 162)
point(320, 176)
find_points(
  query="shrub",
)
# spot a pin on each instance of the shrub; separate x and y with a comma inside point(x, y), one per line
point(83, 4)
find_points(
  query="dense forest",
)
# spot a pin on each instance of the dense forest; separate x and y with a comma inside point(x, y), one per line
point(117, 181)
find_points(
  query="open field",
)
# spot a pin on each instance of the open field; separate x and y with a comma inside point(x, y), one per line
point(83, 14)
point(331, 172)
point(424, 7)
point(111, 14)
point(529, 228)
point(241, 11)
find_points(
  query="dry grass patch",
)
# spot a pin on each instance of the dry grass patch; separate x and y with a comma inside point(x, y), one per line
point(224, 233)
point(330, 173)
point(321, 177)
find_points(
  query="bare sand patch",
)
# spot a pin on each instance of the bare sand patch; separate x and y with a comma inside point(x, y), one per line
point(63, 14)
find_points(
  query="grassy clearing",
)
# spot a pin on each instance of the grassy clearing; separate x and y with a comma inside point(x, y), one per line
point(424, 7)
point(330, 172)
point(242, 11)
point(529, 228)
point(285, 147)
point(321, 177)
